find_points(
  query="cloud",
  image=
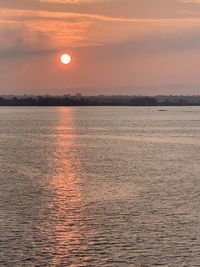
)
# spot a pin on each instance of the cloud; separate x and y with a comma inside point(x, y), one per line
point(116, 8)
point(120, 41)
point(73, 1)
point(190, 1)
point(20, 42)
point(26, 32)
point(183, 40)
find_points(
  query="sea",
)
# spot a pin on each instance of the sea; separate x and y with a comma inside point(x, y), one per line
point(100, 186)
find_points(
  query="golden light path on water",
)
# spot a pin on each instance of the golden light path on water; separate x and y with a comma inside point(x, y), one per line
point(67, 219)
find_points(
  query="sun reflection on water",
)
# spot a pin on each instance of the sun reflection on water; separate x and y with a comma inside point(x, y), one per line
point(66, 206)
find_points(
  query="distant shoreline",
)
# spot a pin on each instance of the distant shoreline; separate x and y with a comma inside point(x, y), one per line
point(101, 100)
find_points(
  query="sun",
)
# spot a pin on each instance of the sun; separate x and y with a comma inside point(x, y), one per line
point(65, 59)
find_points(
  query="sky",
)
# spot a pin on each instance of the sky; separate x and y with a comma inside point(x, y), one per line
point(138, 47)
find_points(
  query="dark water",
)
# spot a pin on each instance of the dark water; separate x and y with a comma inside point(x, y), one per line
point(100, 187)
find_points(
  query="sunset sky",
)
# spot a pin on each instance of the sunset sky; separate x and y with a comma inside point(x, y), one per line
point(117, 46)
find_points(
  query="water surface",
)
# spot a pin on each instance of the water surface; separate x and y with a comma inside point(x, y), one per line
point(99, 186)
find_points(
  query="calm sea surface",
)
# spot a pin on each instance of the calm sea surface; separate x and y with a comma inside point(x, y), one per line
point(100, 186)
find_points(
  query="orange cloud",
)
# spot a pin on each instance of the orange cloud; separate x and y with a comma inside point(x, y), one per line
point(73, 1)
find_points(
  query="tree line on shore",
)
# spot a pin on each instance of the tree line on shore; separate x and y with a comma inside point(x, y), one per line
point(101, 100)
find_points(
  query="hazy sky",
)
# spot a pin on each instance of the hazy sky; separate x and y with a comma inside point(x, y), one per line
point(118, 46)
